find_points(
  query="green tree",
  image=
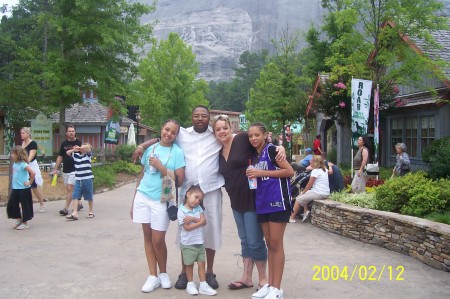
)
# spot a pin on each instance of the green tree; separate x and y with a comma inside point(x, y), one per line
point(60, 46)
point(232, 95)
point(279, 94)
point(369, 39)
point(166, 87)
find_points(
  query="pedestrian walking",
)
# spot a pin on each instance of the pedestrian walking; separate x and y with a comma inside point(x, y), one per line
point(20, 203)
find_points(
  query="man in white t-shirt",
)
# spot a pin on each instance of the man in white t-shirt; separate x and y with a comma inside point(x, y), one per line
point(201, 151)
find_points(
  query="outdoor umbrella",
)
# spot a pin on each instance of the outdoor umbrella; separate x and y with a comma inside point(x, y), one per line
point(131, 136)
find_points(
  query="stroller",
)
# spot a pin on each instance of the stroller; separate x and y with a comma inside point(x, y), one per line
point(300, 179)
point(298, 183)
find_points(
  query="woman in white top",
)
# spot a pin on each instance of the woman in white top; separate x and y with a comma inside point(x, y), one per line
point(316, 189)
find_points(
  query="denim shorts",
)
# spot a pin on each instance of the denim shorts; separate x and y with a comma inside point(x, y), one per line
point(83, 188)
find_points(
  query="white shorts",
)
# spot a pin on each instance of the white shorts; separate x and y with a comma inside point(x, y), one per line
point(69, 178)
point(150, 211)
point(214, 217)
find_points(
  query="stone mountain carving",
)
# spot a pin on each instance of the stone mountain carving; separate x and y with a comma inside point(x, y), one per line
point(220, 31)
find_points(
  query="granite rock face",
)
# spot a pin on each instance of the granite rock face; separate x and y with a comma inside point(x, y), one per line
point(220, 31)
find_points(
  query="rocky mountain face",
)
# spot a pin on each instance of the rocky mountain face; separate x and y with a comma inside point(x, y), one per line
point(220, 31)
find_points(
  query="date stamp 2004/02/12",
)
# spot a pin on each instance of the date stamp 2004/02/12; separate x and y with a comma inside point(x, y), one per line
point(358, 272)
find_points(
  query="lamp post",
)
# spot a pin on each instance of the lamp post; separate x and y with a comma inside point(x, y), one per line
point(138, 118)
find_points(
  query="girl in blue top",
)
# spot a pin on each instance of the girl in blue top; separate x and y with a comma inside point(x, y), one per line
point(147, 207)
point(23, 177)
point(272, 200)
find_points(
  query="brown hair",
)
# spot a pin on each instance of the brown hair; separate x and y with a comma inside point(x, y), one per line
point(21, 153)
point(261, 126)
point(171, 120)
point(193, 188)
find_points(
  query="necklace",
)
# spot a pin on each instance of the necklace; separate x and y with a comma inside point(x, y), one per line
point(168, 158)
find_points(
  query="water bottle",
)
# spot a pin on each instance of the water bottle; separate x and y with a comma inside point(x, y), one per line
point(153, 169)
point(252, 183)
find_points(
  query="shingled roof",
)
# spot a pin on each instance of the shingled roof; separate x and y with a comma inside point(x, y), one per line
point(89, 113)
point(442, 37)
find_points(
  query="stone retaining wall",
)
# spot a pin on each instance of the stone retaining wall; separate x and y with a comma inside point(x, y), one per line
point(422, 239)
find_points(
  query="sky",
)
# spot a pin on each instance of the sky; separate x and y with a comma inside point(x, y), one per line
point(10, 4)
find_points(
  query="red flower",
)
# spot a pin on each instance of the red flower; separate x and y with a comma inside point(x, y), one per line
point(395, 89)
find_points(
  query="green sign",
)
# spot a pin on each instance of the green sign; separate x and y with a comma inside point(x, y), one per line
point(112, 132)
point(42, 133)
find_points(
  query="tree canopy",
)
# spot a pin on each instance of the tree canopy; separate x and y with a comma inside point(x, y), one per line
point(232, 95)
point(53, 49)
point(167, 86)
point(278, 96)
point(370, 40)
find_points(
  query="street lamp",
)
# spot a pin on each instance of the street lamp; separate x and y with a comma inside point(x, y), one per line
point(138, 118)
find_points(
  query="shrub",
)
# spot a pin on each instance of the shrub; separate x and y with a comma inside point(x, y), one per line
point(364, 200)
point(125, 151)
point(437, 155)
point(413, 194)
point(124, 166)
point(104, 176)
point(385, 173)
point(371, 182)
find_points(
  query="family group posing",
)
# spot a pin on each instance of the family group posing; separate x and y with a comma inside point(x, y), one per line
point(204, 159)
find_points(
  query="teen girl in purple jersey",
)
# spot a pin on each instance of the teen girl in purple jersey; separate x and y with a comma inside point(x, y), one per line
point(272, 201)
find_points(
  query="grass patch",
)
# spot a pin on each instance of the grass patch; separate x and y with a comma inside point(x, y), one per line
point(439, 217)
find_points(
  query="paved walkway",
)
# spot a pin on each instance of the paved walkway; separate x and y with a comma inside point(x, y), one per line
point(104, 258)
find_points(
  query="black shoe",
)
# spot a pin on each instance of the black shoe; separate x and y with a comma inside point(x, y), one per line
point(80, 207)
point(211, 280)
point(63, 212)
point(182, 282)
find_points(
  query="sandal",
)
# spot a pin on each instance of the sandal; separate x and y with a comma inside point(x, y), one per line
point(90, 215)
point(237, 285)
point(71, 217)
point(211, 280)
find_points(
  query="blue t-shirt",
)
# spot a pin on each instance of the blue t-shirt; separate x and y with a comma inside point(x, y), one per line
point(151, 183)
point(306, 160)
point(20, 175)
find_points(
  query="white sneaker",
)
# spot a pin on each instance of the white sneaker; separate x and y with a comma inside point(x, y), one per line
point(262, 292)
point(152, 283)
point(205, 289)
point(165, 281)
point(274, 293)
point(306, 216)
point(42, 209)
point(22, 226)
point(191, 288)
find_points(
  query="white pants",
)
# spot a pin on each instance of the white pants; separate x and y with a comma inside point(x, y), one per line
point(359, 183)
